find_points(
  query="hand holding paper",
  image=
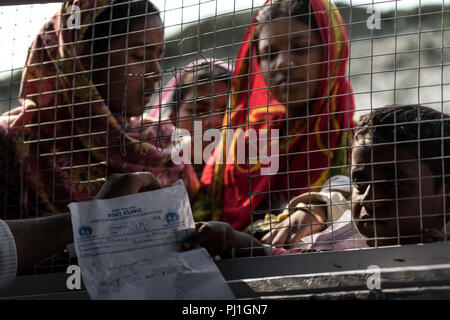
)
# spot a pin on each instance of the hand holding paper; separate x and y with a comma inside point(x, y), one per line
point(123, 184)
point(128, 247)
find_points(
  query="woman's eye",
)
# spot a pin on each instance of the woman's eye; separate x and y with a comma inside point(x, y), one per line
point(202, 111)
point(301, 50)
point(137, 57)
point(299, 46)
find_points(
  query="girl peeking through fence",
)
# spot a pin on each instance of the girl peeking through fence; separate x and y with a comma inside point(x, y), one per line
point(290, 75)
point(83, 93)
point(195, 101)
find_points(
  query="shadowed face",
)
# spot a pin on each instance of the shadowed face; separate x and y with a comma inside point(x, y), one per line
point(205, 104)
point(290, 57)
point(394, 195)
point(121, 76)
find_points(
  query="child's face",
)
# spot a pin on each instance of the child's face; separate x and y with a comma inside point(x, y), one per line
point(290, 60)
point(394, 199)
point(205, 105)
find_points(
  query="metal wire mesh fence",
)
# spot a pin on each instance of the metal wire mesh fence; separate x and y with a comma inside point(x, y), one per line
point(256, 105)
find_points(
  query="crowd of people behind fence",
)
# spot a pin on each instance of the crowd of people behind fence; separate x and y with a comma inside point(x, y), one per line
point(85, 118)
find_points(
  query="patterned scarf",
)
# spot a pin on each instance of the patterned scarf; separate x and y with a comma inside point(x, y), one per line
point(62, 143)
point(316, 147)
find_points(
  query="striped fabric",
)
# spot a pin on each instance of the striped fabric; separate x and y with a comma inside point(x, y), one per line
point(236, 190)
point(8, 256)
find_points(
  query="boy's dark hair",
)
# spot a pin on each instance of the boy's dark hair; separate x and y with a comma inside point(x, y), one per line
point(197, 75)
point(296, 9)
point(107, 25)
point(407, 125)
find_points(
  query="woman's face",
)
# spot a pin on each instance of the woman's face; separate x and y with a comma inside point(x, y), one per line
point(290, 58)
point(129, 59)
point(204, 104)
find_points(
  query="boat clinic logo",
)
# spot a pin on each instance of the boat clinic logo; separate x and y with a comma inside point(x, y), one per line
point(172, 218)
point(84, 231)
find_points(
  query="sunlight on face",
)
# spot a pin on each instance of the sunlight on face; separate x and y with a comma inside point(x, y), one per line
point(290, 59)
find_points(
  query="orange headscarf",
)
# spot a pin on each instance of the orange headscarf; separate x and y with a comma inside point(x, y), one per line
point(316, 148)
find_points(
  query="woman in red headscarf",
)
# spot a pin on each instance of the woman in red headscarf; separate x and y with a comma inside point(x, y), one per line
point(290, 75)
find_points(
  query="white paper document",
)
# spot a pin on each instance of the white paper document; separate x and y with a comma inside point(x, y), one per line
point(129, 248)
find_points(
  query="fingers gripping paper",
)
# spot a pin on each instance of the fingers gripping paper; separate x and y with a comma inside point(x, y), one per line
point(129, 248)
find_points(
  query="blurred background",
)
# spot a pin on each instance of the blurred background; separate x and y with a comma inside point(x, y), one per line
point(405, 61)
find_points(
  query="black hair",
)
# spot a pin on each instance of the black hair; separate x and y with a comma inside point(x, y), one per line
point(295, 9)
point(117, 19)
point(425, 127)
point(197, 75)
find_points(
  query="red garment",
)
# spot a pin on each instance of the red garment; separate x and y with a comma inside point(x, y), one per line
point(63, 141)
point(316, 147)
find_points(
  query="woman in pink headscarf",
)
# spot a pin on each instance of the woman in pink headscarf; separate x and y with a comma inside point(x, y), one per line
point(200, 92)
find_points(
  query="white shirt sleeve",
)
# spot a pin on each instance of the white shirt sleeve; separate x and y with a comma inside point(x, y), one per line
point(8, 256)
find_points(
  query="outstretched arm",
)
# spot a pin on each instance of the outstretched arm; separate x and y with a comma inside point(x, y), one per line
point(39, 238)
point(219, 238)
point(302, 223)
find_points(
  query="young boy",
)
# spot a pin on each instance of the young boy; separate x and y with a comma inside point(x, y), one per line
point(400, 168)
